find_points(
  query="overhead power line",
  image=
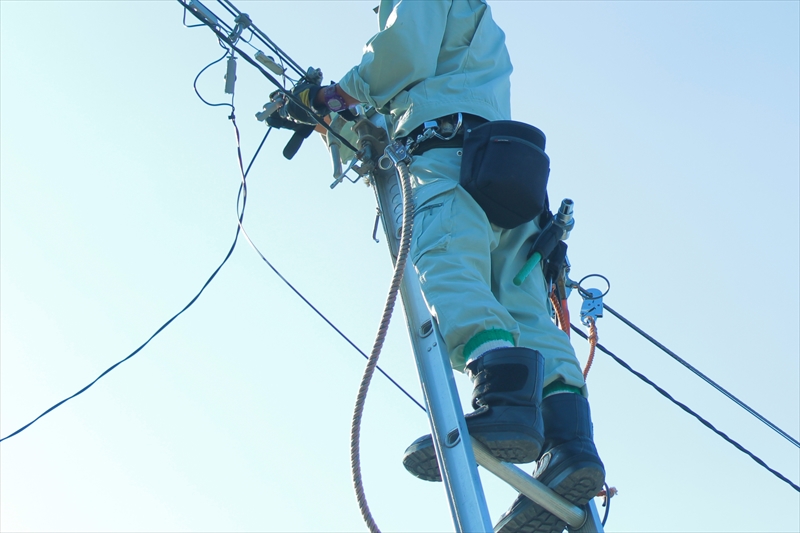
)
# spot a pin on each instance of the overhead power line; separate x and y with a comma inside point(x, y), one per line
point(690, 411)
point(705, 378)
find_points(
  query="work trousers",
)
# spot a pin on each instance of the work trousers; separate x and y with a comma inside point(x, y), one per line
point(466, 266)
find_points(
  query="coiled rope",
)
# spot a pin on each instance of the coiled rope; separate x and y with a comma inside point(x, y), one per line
point(561, 313)
point(383, 328)
point(593, 338)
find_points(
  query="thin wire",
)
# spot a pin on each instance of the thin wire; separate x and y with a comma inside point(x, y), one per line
point(705, 378)
point(246, 172)
point(607, 504)
point(198, 77)
point(193, 300)
point(167, 323)
point(243, 187)
point(688, 410)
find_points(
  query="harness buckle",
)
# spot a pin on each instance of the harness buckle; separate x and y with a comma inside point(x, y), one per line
point(442, 128)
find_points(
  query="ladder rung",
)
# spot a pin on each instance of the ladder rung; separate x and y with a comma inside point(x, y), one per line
point(573, 515)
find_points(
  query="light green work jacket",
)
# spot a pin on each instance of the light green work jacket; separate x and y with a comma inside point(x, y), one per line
point(433, 58)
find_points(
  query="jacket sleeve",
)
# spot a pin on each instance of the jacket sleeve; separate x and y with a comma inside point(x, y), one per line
point(402, 54)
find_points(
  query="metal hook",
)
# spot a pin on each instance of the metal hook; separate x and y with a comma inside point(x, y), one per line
point(375, 228)
point(344, 175)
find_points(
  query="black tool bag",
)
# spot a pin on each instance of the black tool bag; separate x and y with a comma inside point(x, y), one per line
point(505, 169)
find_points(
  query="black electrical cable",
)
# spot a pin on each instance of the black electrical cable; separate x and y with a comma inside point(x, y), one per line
point(167, 323)
point(702, 376)
point(194, 84)
point(688, 410)
point(229, 10)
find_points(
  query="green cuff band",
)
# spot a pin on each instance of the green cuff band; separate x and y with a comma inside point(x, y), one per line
point(559, 386)
point(487, 336)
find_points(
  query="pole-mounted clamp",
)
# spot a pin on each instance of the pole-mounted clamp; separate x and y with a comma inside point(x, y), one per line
point(394, 154)
point(242, 23)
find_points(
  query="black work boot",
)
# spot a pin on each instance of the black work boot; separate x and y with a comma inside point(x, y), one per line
point(506, 396)
point(569, 465)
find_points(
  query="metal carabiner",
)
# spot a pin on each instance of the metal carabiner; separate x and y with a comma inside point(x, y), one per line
point(592, 305)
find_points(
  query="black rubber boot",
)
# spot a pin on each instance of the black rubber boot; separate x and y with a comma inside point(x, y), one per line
point(506, 396)
point(569, 465)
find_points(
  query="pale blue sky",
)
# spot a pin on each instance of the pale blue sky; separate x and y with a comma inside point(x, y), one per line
point(674, 126)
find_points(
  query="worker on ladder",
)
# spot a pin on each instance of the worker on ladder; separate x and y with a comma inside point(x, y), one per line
point(441, 71)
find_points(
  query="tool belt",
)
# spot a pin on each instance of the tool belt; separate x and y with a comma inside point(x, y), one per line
point(503, 164)
point(505, 169)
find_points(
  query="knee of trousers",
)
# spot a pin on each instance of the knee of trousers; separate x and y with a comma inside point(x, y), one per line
point(451, 251)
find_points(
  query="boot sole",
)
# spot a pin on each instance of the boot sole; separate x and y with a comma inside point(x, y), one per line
point(578, 486)
point(420, 458)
